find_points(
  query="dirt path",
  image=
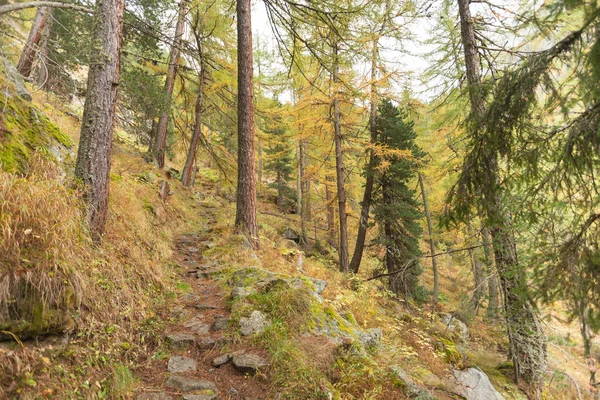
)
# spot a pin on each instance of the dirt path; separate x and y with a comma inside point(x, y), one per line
point(198, 341)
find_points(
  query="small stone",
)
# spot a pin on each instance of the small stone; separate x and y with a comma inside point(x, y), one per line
point(190, 297)
point(154, 396)
point(370, 338)
point(209, 343)
point(320, 285)
point(256, 323)
point(475, 384)
point(411, 389)
point(180, 340)
point(224, 359)
point(241, 291)
point(202, 307)
point(233, 391)
point(202, 396)
point(181, 364)
point(249, 363)
point(220, 324)
point(186, 384)
point(196, 325)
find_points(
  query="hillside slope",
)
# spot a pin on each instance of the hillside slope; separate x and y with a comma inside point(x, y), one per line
point(84, 321)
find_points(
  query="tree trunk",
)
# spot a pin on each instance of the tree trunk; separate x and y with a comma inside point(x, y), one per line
point(299, 180)
point(331, 236)
point(339, 169)
point(478, 277)
point(389, 240)
point(279, 191)
point(42, 69)
point(245, 218)
point(436, 289)
point(94, 154)
point(30, 50)
point(526, 336)
point(366, 202)
point(492, 310)
point(160, 138)
point(189, 168)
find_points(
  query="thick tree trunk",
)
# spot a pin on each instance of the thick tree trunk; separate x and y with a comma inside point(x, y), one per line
point(436, 289)
point(492, 310)
point(95, 144)
point(526, 336)
point(189, 168)
point(366, 202)
point(160, 138)
point(245, 219)
point(30, 50)
point(339, 169)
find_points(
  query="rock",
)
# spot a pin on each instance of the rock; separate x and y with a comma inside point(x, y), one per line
point(221, 324)
point(291, 234)
point(456, 326)
point(242, 291)
point(14, 77)
point(256, 323)
point(474, 384)
point(224, 359)
point(208, 343)
point(233, 391)
point(411, 389)
point(370, 338)
point(186, 384)
point(181, 364)
point(197, 325)
point(203, 306)
point(190, 297)
point(180, 340)
point(209, 273)
point(203, 396)
point(320, 285)
point(154, 396)
point(249, 363)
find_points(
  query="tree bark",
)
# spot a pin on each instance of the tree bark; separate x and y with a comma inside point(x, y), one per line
point(526, 336)
point(478, 276)
point(35, 4)
point(189, 168)
point(331, 236)
point(366, 202)
point(160, 138)
point(339, 168)
point(436, 289)
point(30, 50)
point(245, 219)
point(42, 69)
point(492, 310)
point(299, 180)
point(94, 154)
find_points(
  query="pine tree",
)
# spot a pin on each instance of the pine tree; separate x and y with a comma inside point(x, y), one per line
point(396, 210)
point(279, 160)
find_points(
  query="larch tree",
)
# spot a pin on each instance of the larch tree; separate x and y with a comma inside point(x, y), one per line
point(95, 144)
point(160, 135)
point(30, 50)
point(481, 177)
point(245, 217)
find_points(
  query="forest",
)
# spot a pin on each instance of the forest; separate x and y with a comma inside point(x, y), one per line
point(299, 199)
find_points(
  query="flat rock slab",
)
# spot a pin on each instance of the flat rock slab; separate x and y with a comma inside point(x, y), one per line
point(203, 306)
point(180, 340)
point(220, 324)
point(224, 359)
point(202, 396)
point(197, 325)
point(186, 384)
point(208, 343)
point(154, 396)
point(474, 384)
point(181, 364)
point(249, 363)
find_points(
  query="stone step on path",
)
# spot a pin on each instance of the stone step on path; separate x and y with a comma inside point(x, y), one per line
point(198, 338)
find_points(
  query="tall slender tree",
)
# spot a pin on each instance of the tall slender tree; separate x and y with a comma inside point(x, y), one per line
point(245, 217)
point(94, 154)
point(160, 135)
point(30, 50)
point(481, 174)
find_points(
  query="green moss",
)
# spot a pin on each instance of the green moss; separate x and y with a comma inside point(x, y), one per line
point(24, 129)
point(451, 353)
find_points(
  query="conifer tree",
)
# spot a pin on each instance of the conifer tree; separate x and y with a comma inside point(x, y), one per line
point(396, 210)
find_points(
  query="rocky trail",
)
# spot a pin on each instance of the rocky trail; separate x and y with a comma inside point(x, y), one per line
point(203, 363)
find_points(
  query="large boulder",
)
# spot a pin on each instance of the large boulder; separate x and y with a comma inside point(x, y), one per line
point(410, 388)
point(255, 324)
point(474, 384)
point(456, 326)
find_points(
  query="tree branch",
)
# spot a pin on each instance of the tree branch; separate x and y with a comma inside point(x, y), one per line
point(34, 4)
